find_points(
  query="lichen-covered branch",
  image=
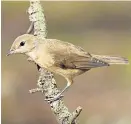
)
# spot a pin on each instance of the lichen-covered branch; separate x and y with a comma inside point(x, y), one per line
point(36, 15)
point(46, 83)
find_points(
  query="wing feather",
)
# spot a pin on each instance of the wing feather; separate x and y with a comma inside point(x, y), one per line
point(67, 55)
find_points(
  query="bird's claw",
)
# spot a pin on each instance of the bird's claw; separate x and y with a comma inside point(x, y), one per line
point(53, 99)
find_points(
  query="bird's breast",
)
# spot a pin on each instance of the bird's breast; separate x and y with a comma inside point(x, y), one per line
point(45, 61)
point(42, 57)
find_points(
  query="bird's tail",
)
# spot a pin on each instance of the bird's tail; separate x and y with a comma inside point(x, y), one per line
point(111, 59)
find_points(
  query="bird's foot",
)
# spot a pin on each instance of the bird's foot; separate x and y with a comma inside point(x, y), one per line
point(53, 99)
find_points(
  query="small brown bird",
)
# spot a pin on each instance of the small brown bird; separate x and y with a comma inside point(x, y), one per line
point(61, 57)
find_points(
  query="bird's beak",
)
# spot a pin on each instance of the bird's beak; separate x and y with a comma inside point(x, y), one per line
point(10, 52)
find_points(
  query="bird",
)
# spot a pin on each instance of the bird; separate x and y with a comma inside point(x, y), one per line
point(62, 58)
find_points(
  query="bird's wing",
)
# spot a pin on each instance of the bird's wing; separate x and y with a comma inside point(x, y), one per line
point(75, 61)
point(67, 55)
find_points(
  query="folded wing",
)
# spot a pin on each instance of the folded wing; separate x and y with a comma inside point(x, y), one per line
point(67, 55)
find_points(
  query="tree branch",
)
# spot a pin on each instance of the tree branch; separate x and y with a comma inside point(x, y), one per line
point(46, 82)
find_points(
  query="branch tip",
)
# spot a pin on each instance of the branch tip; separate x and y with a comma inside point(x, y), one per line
point(76, 113)
point(35, 90)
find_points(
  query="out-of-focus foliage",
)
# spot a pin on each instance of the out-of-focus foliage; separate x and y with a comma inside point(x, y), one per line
point(98, 27)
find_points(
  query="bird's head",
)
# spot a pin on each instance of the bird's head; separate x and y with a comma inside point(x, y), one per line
point(23, 44)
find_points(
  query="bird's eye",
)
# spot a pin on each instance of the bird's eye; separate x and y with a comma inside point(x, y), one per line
point(22, 43)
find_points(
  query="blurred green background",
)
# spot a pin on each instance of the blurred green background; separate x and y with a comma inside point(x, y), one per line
point(98, 27)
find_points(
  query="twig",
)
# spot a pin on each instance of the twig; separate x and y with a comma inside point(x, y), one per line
point(30, 29)
point(35, 90)
point(75, 114)
point(46, 83)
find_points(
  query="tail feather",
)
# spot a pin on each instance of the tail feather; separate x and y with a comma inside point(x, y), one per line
point(111, 59)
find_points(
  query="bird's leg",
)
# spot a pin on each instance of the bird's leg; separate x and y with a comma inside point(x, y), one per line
point(59, 95)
